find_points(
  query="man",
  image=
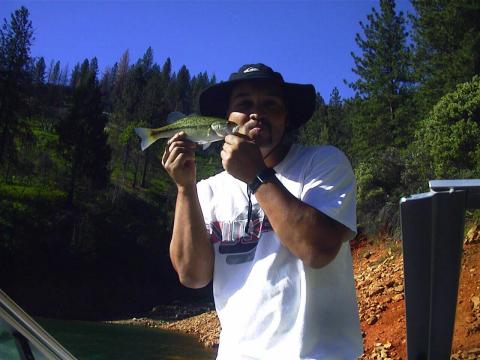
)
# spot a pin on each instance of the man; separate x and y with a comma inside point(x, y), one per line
point(272, 230)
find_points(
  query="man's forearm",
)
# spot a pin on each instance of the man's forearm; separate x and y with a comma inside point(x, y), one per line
point(306, 232)
point(190, 249)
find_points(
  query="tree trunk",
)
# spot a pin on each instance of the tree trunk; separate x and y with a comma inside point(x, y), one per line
point(3, 140)
point(7, 172)
point(145, 166)
point(137, 164)
point(126, 154)
point(71, 189)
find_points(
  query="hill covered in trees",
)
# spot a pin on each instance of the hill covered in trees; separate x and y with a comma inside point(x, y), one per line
point(85, 217)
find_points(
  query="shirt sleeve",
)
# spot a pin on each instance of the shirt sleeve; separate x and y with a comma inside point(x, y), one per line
point(329, 186)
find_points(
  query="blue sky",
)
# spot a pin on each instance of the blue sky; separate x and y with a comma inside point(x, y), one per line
point(307, 41)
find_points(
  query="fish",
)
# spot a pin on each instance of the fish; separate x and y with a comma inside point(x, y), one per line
point(200, 129)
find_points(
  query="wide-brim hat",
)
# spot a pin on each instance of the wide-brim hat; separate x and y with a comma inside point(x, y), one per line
point(300, 99)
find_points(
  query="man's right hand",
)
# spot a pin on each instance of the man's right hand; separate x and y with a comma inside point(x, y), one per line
point(179, 160)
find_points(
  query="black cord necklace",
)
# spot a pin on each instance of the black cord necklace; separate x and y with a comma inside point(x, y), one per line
point(249, 192)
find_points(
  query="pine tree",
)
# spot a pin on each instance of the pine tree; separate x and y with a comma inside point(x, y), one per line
point(198, 84)
point(315, 131)
point(106, 86)
point(63, 78)
point(121, 78)
point(338, 131)
point(54, 74)
point(385, 82)
point(183, 91)
point(38, 76)
point(447, 47)
point(146, 110)
point(16, 38)
point(380, 114)
point(120, 116)
point(155, 109)
point(83, 140)
point(167, 70)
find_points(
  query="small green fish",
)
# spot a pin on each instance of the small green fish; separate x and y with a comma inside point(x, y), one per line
point(200, 129)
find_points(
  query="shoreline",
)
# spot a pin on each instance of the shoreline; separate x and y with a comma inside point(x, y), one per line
point(200, 321)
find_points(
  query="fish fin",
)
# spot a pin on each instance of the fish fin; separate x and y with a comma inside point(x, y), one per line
point(174, 116)
point(206, 145)
point(146, 137)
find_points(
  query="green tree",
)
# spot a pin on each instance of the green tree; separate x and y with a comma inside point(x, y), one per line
point(121, 116)
point(339, 130)
point(38, 76)
point(83, 141)
point(198, 84)
point(63, 78)
point(383, 89)
point(106, 86)
point(183, 91)
point(447, 141)
point(378, 191)
point(148, 84)
point(315, 131)
point(16, 38)
point(381, 115)
point(54, 73)
point(446, 35)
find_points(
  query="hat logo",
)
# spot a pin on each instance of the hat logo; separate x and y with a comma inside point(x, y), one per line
point(250, 69)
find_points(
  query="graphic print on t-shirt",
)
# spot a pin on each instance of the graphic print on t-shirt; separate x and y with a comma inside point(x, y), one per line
point(234, 241)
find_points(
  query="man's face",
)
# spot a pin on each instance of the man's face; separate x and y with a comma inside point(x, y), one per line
point(263, 102)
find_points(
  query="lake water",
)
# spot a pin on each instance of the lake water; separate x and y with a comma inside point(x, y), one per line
point(98, 341)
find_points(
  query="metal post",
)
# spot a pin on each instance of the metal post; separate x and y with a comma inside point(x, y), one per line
point(432, 232)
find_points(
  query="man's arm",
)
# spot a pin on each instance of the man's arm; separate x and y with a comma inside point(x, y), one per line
point(190, 249)
point(310, 235)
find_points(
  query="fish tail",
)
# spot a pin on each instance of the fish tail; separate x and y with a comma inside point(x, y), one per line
point(147, 137)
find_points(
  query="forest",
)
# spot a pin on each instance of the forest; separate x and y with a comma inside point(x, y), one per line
point(86, 217)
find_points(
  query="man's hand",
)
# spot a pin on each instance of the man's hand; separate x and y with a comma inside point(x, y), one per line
point(241, 157)
point(179, 160)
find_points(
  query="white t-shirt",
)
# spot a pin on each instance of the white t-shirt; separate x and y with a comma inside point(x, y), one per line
point(270, 304)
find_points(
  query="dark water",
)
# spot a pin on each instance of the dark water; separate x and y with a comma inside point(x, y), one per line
point(98, 341)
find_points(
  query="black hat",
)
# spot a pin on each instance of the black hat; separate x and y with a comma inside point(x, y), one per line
point(299, 98)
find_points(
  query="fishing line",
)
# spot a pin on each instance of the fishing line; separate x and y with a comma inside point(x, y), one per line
point(249, 214)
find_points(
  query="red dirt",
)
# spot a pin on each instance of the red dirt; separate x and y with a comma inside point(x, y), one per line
point(385, 337)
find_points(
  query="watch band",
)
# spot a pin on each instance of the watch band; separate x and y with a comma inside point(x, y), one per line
point(261, 178)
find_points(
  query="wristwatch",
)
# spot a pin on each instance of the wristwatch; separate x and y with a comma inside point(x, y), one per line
point(261, 178)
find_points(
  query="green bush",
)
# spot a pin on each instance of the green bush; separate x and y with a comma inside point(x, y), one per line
point(378, 192)
point(27, 212)
point(449, 138)
point(31, 194)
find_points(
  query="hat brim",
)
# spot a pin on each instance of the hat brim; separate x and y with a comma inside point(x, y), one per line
point(300, 100)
